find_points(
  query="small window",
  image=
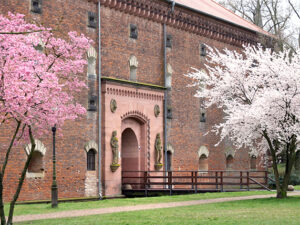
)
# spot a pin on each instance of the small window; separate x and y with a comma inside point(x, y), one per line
point(92, 106)
point(169, 41)
point(203, 117)
point(133, 31)
point(203, 50)
point(169, 113)
point(91, 68)
point(91, 156)
point(203, 163)
point(133, 71)
point(253, 163)
point(92, 20)
point(229, 162)
point(169, 73)
point(36, 163)
point(36, 6)
point(133, 65)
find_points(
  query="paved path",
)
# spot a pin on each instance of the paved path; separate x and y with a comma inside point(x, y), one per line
point(99, 211)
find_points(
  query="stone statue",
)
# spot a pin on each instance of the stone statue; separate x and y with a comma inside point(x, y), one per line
point(158, 148)
point(114, 143)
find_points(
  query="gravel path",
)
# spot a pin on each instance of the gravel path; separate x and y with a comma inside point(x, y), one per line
point(99, 211)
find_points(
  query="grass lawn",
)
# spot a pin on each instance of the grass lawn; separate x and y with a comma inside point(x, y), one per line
point(46, 208)
point(261, 211)
point(297, 187)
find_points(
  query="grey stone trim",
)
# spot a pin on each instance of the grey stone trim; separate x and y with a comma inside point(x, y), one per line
point(203, 151)
point(91, 145)
point(40, 147)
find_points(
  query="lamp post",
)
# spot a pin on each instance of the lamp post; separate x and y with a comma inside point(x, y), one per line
point(54, 185)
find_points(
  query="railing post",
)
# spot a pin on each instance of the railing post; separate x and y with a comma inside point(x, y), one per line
point(122, 181)
point(170, 181)
point(221, 181)
point(146, 183)
point(241, 180)
point(196, 181)
point(266, 177)
point(248, 181)
point(217, 186)
point(192, 180)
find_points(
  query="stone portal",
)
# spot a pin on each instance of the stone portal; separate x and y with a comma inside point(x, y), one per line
point(135, 112)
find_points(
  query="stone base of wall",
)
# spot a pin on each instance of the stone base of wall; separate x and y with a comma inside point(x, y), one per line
point(90, 184)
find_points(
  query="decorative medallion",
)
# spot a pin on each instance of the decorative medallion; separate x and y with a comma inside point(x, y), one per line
point(156, 110)
point(113, 105)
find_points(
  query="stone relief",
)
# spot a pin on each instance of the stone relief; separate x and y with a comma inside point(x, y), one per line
point(156, 110)
point(113, 105)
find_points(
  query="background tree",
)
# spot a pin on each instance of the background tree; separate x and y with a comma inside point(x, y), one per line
point(296, 10)
point(38, 79)
point(260, 95)
point(273, 16)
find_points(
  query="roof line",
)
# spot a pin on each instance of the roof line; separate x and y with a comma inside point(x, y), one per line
point(215, 17)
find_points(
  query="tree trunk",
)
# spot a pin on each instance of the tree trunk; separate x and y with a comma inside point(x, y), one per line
point(273, 148)
point(282, 193)
point(3, 221)
point(13, 202)
point(2, 172)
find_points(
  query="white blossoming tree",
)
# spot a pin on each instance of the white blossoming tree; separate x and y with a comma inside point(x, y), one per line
point(259, 91)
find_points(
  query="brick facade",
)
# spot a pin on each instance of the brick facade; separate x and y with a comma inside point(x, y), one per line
point(185, 131)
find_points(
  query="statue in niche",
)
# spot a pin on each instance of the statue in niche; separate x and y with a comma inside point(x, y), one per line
point(158, 154)
point(114, 143)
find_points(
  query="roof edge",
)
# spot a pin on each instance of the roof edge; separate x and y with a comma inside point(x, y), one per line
point(217, 18)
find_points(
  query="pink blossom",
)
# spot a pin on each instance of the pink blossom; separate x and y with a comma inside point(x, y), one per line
point(39, 74)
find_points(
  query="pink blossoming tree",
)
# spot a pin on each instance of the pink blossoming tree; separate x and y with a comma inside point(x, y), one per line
point(38, 79)
point(259, 91)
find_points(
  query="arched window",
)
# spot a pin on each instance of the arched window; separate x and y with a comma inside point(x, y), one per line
point(36, 163)
point(91, 160)
point(169, 160)
point(229, 162)
point(133, 65)
point(169, 73)
point(253, 162)
point(203, 163)
point(92, 77)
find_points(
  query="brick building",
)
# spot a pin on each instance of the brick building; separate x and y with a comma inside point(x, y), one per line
point(146, 48)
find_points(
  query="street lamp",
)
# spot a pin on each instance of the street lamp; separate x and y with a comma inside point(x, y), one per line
point(54, 185)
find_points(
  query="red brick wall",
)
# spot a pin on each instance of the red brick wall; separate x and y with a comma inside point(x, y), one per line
point(71, 156)
point(185, 133)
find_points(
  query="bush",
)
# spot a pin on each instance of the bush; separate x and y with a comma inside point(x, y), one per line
point(294, 180)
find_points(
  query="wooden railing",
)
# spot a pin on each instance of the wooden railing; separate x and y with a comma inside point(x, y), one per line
point(194, 180)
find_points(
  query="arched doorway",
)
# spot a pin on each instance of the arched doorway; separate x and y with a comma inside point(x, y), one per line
point(133, 150)
point(130, 151)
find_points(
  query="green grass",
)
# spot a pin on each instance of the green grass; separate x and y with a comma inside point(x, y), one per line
point(297, 187)
point(46, 208)
point(270, 211)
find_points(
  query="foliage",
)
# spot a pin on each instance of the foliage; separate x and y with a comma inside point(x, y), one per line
point(294, 179)
point(258, 90)
point(38, 82)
